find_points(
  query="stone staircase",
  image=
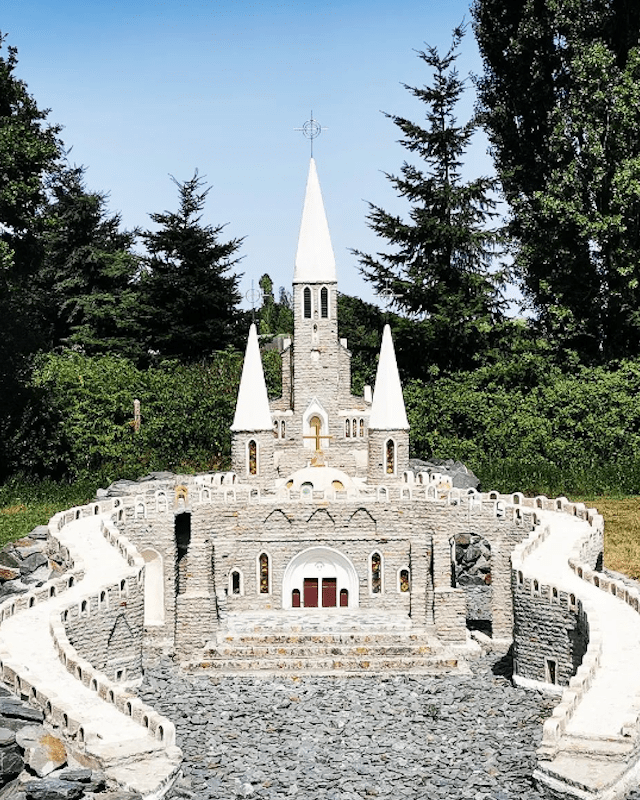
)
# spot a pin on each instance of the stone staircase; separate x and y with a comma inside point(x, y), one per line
point(330, 653)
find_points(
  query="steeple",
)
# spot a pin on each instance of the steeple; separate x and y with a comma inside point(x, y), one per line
point(252, 406)
point(315, 262)
point(387, 410)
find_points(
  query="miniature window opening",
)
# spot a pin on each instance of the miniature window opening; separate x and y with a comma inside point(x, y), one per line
point(520, 578)
point(295, 598)
point(347, 429)
point(235, 582)
point(354, 430)
point(283, 429)
point(324, 302)
point(263, 563)
point(315, 423)
point(275, 429)
point(572, 601)
point(361, 428)
point(551, 670)
point(554, 595)
point(344, 598)
point(183, 540)
point(404, 580)
point(390, 457)
point(536, 587)
point(307, 303)
point(253, 457)
point(376, 573)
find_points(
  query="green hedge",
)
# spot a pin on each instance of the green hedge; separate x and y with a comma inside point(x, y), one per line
point(520, 425)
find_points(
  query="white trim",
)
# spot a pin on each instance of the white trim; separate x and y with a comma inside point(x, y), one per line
point(153, 591)
point(319, 562)
point(230, 592)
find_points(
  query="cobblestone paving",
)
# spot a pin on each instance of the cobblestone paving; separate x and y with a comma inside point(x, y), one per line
point(349, 738)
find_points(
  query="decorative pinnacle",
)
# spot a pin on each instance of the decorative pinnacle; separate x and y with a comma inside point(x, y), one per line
point(311, 130)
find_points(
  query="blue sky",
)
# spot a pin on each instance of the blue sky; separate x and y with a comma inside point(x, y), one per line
point(148, 89)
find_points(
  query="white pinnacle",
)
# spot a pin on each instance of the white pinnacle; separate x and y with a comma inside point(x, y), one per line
point(252, 407)
point(315, 262)
point(387, 409)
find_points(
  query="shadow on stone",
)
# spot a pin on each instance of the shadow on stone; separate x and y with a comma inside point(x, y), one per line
point(504, 665)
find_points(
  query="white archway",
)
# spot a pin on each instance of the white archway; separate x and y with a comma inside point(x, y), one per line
point(328, 568)
point(153, 588)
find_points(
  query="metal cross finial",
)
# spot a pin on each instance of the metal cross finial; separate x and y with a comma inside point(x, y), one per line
point(311, 129)
point(254, 296)
point(387, 295)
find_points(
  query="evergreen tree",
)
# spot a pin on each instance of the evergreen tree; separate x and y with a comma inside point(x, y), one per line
point(559, 98)
point(85, 288)
point(189, 295)
point(440, 265)
point(275, 317)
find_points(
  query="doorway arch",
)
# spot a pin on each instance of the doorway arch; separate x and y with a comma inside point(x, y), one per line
point(322, 571)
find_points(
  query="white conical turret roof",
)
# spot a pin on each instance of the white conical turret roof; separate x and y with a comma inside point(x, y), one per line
point(387, 409)
point(252, 406)
point(315, 262)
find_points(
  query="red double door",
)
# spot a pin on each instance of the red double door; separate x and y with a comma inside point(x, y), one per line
point(329, 592)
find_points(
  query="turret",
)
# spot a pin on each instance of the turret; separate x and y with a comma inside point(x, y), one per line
point(388, 423)
point(252, 448)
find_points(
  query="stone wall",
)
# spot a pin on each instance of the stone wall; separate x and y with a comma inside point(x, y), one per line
point(551, 632)
point(105, 628)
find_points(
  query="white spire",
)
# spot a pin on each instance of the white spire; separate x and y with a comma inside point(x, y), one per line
point(252, 406)
point(315, 262)
point(387, 410)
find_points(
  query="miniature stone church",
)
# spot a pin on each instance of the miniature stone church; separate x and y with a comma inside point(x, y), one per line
point(320, 524)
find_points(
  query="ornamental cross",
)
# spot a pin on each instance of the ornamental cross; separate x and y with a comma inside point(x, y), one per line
point(387, 295)
point(311, 130)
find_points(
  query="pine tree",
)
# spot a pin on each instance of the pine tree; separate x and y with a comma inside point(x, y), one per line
point(189, 295)
point(439, 268)
point(85, 287)
point(559, 98)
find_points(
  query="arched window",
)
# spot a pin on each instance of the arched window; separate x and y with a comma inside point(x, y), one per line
point(307, 303)
point(283, 429)
point(390, 457)
point(376, 573)
point(295, 598)
point(361, 427)
point(275, 428)
point(324, 302)
point(253, 457)
point(263, 566)
point(235, 582)
point(347, 428)
point(344, 598)
point(404, 580)
point(315, 423)
point(354, 429)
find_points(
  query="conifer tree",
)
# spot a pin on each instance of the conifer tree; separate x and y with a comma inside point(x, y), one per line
point(188, 294)
point(86, 286)
point(439, 264)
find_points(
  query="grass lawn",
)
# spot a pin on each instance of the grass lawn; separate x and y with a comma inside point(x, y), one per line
point(621, 532)
point(23, 505)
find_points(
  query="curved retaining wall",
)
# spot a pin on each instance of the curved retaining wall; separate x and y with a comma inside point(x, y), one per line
point(87, 621)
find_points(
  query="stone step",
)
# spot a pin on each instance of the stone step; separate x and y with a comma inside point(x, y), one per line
point(354, 638)
point(313, 650)
point(328, 665)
